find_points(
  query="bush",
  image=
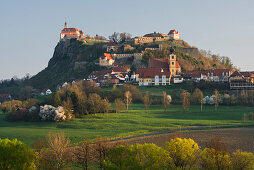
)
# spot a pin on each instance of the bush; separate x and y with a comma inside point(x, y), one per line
point(16, 155)
point(24, 115)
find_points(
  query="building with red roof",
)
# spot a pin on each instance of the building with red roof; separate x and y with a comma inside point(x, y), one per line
point(68, 33)
point(216, 75)
point(106, 60)
point(242, 80)
point(174, 34)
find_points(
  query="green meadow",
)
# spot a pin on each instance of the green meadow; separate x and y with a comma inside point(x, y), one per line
point(136, 121)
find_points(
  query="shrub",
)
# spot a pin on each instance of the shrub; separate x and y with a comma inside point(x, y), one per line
point(16, 155)
point(184, 152)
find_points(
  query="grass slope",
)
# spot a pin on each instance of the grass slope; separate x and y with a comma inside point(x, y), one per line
point(134, 122)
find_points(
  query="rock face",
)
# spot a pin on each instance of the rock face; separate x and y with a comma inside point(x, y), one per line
point(51, 113)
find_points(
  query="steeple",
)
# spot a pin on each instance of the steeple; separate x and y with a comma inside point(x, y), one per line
point(65, 25)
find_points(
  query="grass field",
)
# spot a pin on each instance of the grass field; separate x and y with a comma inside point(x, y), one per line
point(134, 122)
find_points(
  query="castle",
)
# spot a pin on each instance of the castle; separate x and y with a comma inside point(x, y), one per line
point(68, 33)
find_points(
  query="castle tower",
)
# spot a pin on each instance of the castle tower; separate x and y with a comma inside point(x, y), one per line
point(172, 62)
point(65, 25)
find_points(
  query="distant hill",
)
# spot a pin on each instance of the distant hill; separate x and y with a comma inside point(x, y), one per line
point(73, 59)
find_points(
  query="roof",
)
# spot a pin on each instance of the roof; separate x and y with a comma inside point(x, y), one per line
point(152, 72)
point(107, 56)
point(66, 30)
point(217, 72)
point(173, 32)
point(120, 69)
point(5, 96)
point(247, 73)
point(111, 43)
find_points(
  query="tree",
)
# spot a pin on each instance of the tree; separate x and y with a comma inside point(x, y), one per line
point(56, 99)
point(128, 99)
point(93, 103)
point(68, 107)
point(124, 36)
point(58, 143)
point(101, 147)
point(16, 155)
point(185, 100)
point(242, 160)
point(213, 159)
point(115, 37)
point(83, 153)
point(119, 105)
point(147, 101)
point(184, 152)
point(105, 106)
point(197, 97)
point(166, 99)
point(216, 99)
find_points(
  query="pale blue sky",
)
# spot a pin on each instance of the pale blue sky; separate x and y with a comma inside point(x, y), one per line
point(30, 28)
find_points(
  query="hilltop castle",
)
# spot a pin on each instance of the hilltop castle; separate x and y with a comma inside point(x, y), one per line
point(68, 33)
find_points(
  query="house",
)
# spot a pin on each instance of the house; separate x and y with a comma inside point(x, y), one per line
point(160, 71)
point(154, 76)
point(68, 33)
point(215, 75)
point(115, 75)
point(106, 60)
point(242, 80)
point(169, 63)
point(149, 38)
point(5, 97)
point(46, 92)
point(174, 34)
point(111, 47)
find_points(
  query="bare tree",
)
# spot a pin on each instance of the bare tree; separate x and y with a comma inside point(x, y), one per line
point(101, 147)
point(185, 100)
point(197, 97)
point(115, 37)
point(124, 36)
point(58, 143)
point(119, 105)
point(82, 153)
point(128, 99)
point(216, 99)
point(147, 101)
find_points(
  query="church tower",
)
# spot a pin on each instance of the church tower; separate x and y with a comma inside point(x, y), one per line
point(65, 25)
point(172, 62)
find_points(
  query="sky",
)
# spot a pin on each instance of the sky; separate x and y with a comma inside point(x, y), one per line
point(30, 29)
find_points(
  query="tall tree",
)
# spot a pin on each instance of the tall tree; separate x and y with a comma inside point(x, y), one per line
point(128, 99)
point(197, 97)
point(58, 143)
point(119, 105)
point(115, 37)
point(83, 153)
point(185, 100)
point(56, 99)
point(216, 99)
point(147, 101)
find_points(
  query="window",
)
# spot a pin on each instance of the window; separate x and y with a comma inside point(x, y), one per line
point(173, 70)
point(173, 63)
point(172, 57)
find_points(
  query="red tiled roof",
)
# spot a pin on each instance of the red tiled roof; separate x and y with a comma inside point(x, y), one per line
point(177, 65)
point(66, 30)
point(173, 32)
point(107, 55)
point(5, 96)
point(152, 72)
point(111, 43)
point(217, 72)
point(120, 69)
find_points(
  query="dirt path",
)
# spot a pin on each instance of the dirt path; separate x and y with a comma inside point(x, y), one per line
point(234, 138)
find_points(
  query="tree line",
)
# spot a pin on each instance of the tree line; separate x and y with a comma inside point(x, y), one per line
point(55, 152)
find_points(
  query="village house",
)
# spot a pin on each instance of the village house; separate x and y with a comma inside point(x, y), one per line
point(112, 47)
point(242, 80)
point(106, 60)
point(46, 92)
point(215, 75)
point(68, 33)
point(115, 75)
point(173, 34)
point(5, 97)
